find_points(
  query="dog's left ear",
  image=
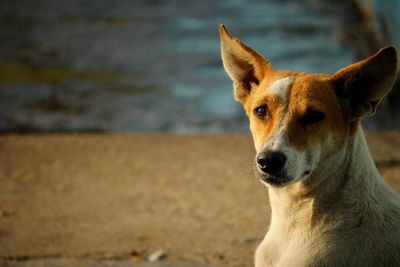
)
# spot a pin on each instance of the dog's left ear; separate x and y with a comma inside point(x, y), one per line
point(365, 83)
point(244, 65)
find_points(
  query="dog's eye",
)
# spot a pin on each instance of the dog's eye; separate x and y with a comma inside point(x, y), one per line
point(312, 116)
point(261, 112)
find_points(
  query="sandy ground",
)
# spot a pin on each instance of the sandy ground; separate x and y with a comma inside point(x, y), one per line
point(111, 200)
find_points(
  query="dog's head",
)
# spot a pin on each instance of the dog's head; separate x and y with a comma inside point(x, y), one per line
point(299, 119)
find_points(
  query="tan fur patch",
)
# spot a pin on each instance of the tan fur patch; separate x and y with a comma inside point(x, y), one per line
point(315, 92)
point(308, 91)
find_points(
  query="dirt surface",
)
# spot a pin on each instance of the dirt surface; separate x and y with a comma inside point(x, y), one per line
point(112, 200)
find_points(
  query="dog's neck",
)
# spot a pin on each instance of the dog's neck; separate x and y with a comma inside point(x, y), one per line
point(351, 169)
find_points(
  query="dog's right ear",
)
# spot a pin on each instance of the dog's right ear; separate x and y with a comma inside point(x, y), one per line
point(244, 65)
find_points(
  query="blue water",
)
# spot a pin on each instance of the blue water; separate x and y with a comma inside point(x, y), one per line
point(164, 56)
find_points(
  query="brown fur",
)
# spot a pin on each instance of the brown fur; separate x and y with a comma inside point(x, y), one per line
point(317, 93)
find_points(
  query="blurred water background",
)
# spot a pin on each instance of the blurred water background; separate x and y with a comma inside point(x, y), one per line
point(154, 65)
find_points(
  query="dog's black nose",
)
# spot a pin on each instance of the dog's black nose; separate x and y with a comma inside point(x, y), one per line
point(271, 161)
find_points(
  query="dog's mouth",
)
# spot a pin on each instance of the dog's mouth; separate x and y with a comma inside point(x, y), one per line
point(278, 180)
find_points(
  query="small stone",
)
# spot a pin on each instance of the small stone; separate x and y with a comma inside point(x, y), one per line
point(157, 255)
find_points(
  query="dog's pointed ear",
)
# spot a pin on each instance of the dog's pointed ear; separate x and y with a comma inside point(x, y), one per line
point(365, 83)
point(244, 66)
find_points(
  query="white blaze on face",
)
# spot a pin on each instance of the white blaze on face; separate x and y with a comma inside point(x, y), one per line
point(281, 87)
point(296, 162)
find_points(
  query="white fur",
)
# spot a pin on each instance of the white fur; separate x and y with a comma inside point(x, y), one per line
point(344, 214)
point(281, 87)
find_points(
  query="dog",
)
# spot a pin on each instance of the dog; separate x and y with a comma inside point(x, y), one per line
point(329, 204)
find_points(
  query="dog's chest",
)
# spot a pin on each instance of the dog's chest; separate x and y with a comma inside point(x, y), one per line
point(286, 249)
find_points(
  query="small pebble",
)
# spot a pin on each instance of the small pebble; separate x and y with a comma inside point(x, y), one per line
point(157, 255)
